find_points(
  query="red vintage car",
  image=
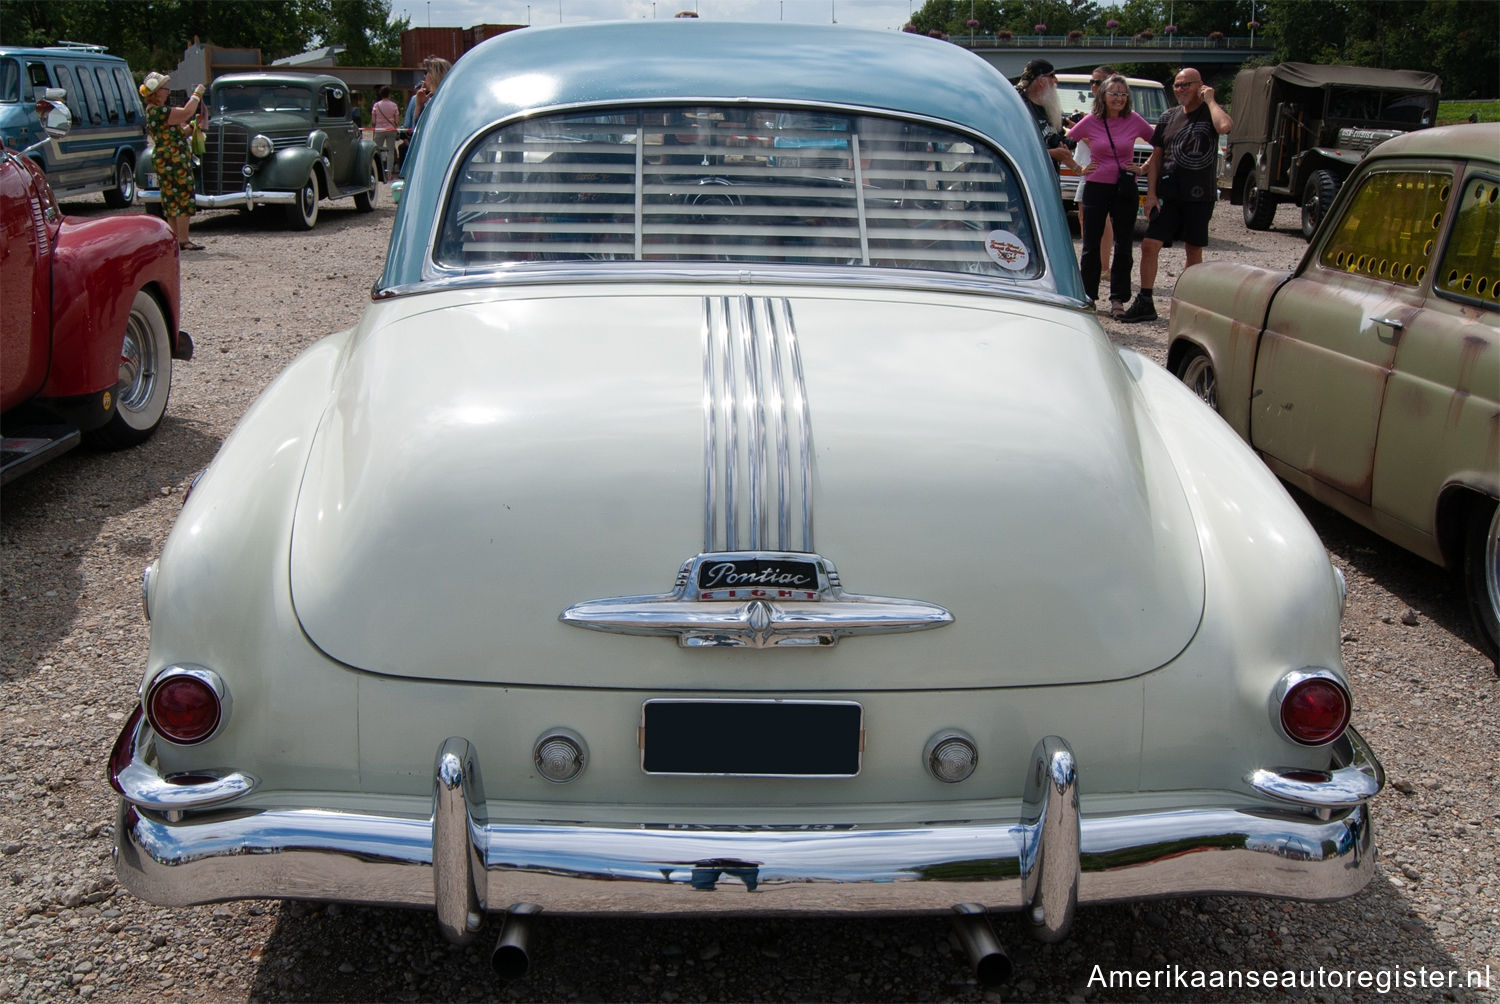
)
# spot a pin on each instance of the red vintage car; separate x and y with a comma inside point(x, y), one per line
point(89, 330)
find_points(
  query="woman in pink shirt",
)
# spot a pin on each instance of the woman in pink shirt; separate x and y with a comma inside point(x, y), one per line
point(386, 118)
point(1109, 190)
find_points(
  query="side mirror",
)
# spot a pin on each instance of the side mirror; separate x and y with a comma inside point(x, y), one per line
point(56, 119)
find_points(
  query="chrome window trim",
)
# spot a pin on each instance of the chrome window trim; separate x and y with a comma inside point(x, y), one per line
point(433, 271)
point(828, 276)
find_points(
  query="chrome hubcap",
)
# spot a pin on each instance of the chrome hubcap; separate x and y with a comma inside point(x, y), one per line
point(1199, 376)
point(138, 364)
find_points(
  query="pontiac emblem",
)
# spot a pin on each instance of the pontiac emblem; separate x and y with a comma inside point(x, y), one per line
point(756, 599)
point(732, 577)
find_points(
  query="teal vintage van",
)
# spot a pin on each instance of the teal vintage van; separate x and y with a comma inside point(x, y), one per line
point(109, 123)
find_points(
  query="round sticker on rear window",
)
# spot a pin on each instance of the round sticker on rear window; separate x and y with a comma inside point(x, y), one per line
point(1007, 251)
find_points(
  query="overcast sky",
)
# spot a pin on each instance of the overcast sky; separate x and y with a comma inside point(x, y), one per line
point(463, 13)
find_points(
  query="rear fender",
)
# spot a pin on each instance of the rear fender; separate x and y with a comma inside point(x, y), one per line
point(1220, 308)
point(1341, 162)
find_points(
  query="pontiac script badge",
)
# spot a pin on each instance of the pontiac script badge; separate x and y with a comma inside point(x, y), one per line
point(756, 599)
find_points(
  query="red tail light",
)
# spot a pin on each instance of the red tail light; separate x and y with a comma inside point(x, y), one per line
point(187, 705)
point(1314, 710)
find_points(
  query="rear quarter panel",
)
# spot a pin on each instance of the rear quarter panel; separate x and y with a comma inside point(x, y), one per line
point(1271, 601)
point(1220, 308)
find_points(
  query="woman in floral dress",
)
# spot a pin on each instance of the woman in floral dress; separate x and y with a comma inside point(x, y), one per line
point(173, 158)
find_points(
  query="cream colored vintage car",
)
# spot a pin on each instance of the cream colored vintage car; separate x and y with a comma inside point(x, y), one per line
point(1370, 377)
point(728, 504)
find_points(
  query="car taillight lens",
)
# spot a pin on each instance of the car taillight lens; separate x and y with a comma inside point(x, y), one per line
point(1314, 711)
point(187, 705)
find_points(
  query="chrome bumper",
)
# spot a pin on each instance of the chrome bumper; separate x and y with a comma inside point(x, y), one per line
point(462, 863)
point(248, 197)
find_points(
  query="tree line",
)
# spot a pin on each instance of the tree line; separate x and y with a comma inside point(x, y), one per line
point(1458, 39)
point(152, 34)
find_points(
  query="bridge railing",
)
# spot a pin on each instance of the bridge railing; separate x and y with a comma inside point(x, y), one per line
point(1029, 41)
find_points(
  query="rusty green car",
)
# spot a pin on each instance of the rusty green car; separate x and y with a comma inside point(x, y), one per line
point(1369, 377)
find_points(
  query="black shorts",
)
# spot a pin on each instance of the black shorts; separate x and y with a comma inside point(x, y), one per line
point(1178, 220)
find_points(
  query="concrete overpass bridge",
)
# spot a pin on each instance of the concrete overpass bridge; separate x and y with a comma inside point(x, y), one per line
point(1079, 55)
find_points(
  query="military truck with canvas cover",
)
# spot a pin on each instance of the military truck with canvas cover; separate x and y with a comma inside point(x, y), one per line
point(1300, 128)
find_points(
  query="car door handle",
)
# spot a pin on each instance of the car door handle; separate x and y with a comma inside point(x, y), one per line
point(1389, 322)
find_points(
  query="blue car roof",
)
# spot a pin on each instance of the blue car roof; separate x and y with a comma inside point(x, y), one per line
point(535, 70)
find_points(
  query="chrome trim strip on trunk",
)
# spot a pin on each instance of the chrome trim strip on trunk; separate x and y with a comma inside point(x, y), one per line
point(754, 406)
point(710, 430)
point(1029, 862)
point(753, 378)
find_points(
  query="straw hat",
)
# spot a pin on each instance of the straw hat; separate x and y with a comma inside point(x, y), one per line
point(153, 82)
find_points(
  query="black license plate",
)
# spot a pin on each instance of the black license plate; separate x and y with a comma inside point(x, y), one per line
point(752, 738)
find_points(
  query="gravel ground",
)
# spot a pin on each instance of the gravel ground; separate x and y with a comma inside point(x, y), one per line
point(77, 533)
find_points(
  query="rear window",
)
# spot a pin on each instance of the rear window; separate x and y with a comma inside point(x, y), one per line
point(737, 184)
point(1470, 267)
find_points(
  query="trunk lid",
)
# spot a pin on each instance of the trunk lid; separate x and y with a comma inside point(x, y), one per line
point(489, 463)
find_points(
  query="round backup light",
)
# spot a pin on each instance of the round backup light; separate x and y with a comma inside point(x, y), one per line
point(1314, 711)
point(951, 757)
point(559, 755)
point(187, 705)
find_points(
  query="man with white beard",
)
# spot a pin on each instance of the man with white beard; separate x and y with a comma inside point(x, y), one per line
point(1038, 88)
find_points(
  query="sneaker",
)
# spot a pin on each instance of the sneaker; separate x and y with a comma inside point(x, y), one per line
point(1143, 309)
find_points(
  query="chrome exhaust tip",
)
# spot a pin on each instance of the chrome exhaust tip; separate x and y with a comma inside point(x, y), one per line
point(992, 967)
point(511, 957)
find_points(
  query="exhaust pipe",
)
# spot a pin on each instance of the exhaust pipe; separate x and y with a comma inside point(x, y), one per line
point(992, 966)
point(512, 957)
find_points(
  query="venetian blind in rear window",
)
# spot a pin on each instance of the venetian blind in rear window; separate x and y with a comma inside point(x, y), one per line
point(734, 183)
